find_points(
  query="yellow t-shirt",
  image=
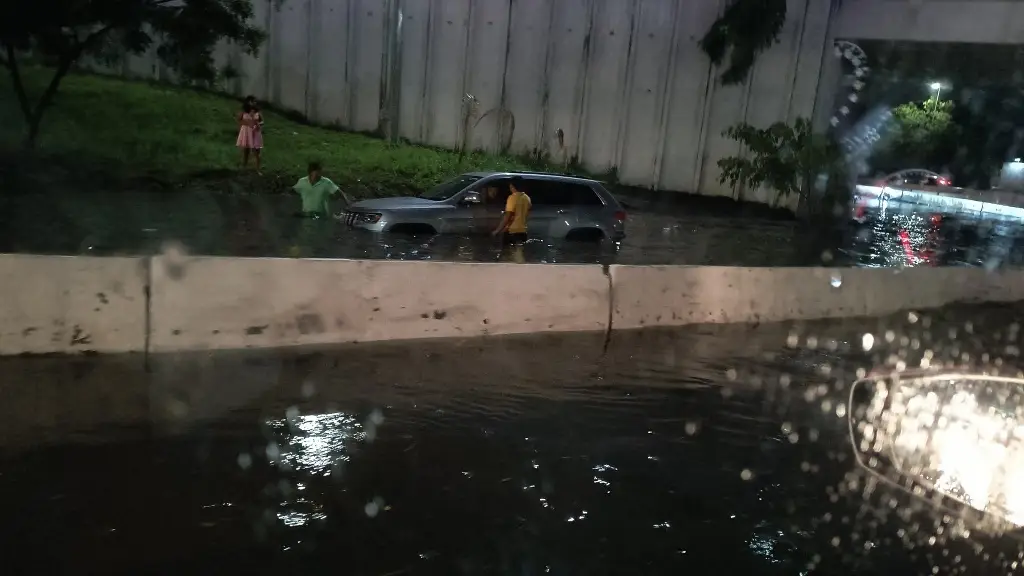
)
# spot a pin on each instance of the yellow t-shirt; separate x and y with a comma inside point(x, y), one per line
point(519, 205)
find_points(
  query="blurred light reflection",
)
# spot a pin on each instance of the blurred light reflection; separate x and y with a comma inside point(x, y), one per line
point(314, 443)
point(961, 436)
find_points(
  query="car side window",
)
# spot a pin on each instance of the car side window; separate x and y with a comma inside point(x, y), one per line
point(584, 195)
point(494, 192)
point(555, 193)
point(540, 192)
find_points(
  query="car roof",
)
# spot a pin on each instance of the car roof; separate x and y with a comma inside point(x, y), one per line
point(546, 175)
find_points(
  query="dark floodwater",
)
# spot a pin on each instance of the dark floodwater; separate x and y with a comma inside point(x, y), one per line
point(261, 225)
point(253, 225)
point(701, 451)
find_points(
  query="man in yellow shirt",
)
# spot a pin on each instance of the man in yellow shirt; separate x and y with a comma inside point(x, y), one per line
point(517, 211)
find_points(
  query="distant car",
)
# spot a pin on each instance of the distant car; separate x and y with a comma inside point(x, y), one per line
point(563, 207)
point(916, 177)
point(914, 182)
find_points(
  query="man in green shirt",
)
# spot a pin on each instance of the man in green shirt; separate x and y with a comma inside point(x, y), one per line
point(315, 191)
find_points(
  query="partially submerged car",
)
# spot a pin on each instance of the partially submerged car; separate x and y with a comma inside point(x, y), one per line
point(563, 207)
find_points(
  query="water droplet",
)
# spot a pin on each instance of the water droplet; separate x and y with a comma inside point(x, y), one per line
point(867, 341)
point(371, 509)
point(377, 417)
point(691, 428)
point(244, 461)
point(746, 474)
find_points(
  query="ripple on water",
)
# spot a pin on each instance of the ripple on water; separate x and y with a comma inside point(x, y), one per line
point(434, 460)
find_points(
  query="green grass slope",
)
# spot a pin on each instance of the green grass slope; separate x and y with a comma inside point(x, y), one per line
point(113, 132)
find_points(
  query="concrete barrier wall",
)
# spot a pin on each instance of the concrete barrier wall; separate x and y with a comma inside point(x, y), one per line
point(679, 295)
point(72, 304)
point(57, 304)
point(217, 303)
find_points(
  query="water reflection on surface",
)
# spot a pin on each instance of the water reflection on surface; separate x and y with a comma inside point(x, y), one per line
point(255, 225)
point(699, 451)
point(262, 225)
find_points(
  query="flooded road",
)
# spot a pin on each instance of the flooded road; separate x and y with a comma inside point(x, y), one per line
point(709, 450)
point(241, 224)
point(253, 225)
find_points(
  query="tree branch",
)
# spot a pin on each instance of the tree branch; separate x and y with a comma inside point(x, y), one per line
point(19, 85)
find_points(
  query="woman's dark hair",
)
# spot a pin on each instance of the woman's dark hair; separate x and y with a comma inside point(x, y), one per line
point(249, 104)
point(314, 167)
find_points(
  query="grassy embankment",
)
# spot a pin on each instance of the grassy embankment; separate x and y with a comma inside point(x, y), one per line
point(106, 132)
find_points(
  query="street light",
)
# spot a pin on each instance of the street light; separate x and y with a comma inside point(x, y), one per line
point(937, 86)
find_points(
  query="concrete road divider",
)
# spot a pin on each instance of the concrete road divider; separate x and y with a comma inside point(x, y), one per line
point(64, 304)
point(222, 303)
point(72, 304)
point(678, 295)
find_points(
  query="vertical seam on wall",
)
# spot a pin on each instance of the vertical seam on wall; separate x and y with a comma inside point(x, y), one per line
point(309, 54)
point(385, 65)
point(540, 136)
point(270, 52)
point(702, 141)
point(395, 105)
point(666, 96)
point(462, 131)
point(351, 48)
point(425, 112)
point(504, 76)
point(583, 83)
point(611, 308)
point(827, 47)
point(795, 63)
point(635, 17)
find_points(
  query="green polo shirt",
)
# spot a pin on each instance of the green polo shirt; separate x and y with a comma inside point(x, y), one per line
point(315, 196)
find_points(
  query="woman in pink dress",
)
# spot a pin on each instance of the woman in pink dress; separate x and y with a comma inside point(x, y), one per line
point(250, 131)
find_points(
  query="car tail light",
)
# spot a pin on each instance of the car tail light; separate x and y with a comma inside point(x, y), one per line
point(620, 215)
point(944, 182)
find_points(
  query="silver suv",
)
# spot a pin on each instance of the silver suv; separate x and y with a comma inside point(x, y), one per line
point(563, 207)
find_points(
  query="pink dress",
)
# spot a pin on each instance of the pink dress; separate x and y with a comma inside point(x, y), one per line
point(250, 133)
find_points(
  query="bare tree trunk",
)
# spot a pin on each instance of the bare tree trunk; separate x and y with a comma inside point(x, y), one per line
point(34, 114)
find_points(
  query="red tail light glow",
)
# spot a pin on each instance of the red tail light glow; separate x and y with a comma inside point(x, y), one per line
point(620, 216)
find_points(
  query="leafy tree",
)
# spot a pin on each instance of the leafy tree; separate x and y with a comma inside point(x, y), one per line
point(920, 137)
point(744, 30)
point(785, 158)
point(61, 32)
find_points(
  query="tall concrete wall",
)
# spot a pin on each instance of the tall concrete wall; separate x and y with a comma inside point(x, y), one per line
point(65, 304)
point(624, 80)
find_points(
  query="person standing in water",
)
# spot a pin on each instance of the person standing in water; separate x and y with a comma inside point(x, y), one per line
point(316, 230)
point(315, 190)
point(513, 222)
point(517, 211)
point(250, 132)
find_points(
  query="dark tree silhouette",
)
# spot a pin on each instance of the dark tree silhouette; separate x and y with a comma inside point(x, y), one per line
point(59, 33)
